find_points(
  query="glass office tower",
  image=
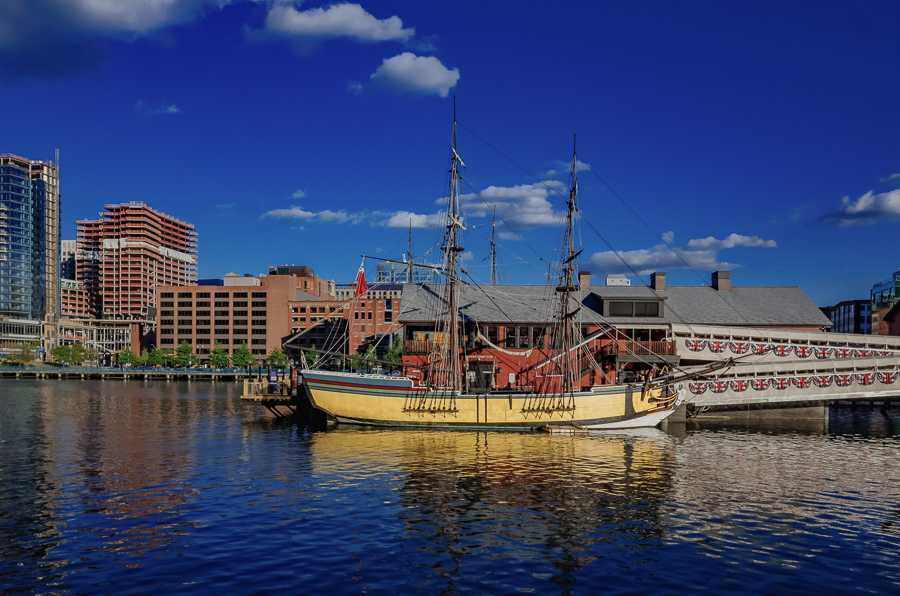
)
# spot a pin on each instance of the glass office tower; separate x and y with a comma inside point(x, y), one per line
point(29, 239)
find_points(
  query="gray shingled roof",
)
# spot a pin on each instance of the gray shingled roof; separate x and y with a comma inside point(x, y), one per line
point(692, 305)
point(302, 296)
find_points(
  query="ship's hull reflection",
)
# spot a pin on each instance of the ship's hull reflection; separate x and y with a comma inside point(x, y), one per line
point(572, 498)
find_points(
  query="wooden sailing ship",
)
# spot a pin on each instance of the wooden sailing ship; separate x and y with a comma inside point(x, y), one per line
point(557, 390)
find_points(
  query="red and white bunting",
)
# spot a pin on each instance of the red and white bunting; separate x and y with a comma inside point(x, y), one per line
point(843, 380)
point(740, 347)
point(803, 351)
point(740, 385)
point(866, 378)
point(843, 353)
point(760, 384)
point(719, 386)
point(823, 381)
point(802, 382)
point(717, 347)
point(823, 353)
point(782, 350)
point(697, 387)
point(695, 345)
point(781, 382)
point(760, 348)
point(888, 377)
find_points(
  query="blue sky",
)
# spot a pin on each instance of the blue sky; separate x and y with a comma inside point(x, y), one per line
point(762, 137)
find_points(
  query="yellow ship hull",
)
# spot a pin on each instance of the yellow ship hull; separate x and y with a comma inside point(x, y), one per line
point(398, 401)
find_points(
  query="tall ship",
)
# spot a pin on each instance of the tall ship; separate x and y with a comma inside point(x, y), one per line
point(452, 381)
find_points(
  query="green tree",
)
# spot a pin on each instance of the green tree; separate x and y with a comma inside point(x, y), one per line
point(395, 352)
point(127, 357)
point(218, 357)
point(157, 357)
point(79, 353)
point(359, 361)
point(242, 357)
point(19, 354)
point(144, 357)
point(184, 355)
point(62, 353)
point(277, 358)
point(93, 356)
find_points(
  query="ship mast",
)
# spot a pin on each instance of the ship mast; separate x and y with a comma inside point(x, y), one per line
point(493, 253)
point(409, 257)
point(451, 251)
point(568, 361)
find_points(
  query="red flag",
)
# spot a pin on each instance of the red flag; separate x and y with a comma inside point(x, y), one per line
point(360, 281)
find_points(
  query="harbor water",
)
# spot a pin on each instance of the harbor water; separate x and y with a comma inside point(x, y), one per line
point(181, 488)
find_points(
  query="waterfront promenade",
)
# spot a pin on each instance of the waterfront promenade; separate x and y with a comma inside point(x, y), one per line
point(118, 372)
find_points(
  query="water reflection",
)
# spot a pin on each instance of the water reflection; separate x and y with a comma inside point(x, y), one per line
point(112, 487)
point(465, 496)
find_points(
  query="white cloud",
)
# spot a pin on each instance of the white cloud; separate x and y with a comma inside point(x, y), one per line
point(524, 206)
point(864, 211)
point(338, 20)
point(405, 219)
point(699, 253)
point(324, 216)
point(291, 213)
point(298, 194)
point(891, 177)
point(409, 72)
point(168, 109)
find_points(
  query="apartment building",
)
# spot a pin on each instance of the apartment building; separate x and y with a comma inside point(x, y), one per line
point(130, 252)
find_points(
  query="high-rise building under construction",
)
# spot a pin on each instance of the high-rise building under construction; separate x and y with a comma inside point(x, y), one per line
point(126, 254)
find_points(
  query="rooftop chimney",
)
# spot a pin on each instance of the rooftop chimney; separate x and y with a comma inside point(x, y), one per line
point(584, 280)
point(658, 281)
point(721, 280)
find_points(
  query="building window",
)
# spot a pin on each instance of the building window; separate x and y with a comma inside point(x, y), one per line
point(646, 309)
point(621, 309)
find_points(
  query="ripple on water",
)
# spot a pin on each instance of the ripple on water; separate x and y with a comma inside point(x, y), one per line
point(164, 488)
